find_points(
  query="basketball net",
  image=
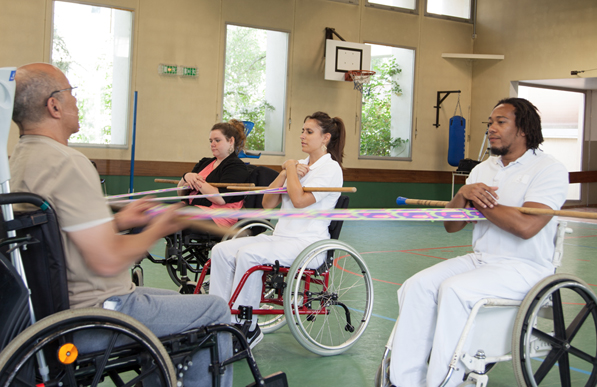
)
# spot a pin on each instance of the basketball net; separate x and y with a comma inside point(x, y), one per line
point(359, 77)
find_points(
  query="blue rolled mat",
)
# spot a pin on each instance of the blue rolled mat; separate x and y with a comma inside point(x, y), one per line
point(456, 140)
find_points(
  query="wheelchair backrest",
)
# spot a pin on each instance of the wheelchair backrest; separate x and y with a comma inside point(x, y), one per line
point(336, 225)
point(43, 255)
point(262, 177)
point(14, 309)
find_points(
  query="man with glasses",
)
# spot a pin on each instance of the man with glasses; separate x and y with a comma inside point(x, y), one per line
point(97, 256)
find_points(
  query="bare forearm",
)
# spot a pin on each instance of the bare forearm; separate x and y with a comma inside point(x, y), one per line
point(108, 253)
point(208, 189)
point(182, 183)
point(126, 250)
point(510, 219)
point(273, 200)
point(299, 198)
point(458, 201)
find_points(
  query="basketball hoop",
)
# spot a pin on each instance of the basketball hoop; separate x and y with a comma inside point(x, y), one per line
point(359, 77)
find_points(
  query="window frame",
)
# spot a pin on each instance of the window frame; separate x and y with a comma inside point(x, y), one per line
point(285, 119)
point(413, 120)
point(414, 11)
point(130, 98)
point(469, 20)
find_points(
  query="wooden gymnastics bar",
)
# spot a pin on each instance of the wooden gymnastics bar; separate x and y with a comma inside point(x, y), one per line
point(524, 210)
point(218, 185)
point(306, 189)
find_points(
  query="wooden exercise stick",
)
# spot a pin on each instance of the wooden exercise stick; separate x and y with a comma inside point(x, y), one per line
point(306, 189)
point(524, 210)
point(217, 185)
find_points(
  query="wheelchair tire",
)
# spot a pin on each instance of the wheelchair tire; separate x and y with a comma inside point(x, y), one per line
point(18, 365)
point(137, 276)
point(248, 227)
point(269, 323)
point(336, 315)
point(193, 257)
point(555, 334)
point(188, 288)
point(377, 379)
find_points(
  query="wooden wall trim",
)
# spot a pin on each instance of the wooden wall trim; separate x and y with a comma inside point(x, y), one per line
point(169, 168)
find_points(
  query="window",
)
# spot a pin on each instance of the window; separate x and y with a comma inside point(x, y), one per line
point(398, 5)
point(562, 122)
point(387, 104)
point(255, 84)
point(460, 9)
point(92, 46)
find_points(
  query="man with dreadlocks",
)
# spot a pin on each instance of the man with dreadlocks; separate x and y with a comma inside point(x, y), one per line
point(512, 251)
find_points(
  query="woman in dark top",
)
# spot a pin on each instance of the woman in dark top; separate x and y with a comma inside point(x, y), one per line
point(226, 140)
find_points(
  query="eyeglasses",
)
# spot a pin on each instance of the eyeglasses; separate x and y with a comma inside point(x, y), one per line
point(71, 89)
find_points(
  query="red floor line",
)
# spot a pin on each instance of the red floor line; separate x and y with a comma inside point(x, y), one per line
point(580, 236)
point(425, 255)
point(409, 250)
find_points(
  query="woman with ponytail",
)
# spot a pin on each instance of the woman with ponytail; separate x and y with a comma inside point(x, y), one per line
point(322, 139)
point(226, 141)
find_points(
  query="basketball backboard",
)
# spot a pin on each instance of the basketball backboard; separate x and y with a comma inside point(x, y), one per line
point(341, 56)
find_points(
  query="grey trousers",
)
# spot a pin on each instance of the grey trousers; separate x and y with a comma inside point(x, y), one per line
point(167, 312)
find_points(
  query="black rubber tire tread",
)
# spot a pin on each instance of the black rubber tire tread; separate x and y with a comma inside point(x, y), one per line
point(546, 287)
point(24, 343)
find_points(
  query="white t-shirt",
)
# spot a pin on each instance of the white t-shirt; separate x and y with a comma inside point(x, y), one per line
point(534, 177)
point(325, 172)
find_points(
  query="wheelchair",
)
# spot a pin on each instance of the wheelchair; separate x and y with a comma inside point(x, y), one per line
point(84, 347)
point(540, 334)
point(187, 251)
point(328, 304)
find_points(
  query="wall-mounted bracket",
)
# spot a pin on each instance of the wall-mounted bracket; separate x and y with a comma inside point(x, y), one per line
point(439, 103)
point(330, 32)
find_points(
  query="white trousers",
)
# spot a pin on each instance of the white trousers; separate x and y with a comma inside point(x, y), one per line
point(231, 259)
point(434, 306)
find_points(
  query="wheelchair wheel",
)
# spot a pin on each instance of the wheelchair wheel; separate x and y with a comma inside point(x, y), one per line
point(382, 376)
point(137, 275)
point(555, 334)
point(193, 256)
point(269, 323)
point(328, 317)
point(248, 227)
point(188, 288)
point(106, 343)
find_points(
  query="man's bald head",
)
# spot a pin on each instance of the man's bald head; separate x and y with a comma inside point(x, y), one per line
point(34, 84)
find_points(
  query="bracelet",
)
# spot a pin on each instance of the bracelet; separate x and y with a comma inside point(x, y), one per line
point(185, 180)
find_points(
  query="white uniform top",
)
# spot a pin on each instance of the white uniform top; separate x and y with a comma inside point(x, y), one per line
point(325, 172)
point(534, 177)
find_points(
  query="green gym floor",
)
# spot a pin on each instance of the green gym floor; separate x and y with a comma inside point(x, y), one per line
point(393, 252)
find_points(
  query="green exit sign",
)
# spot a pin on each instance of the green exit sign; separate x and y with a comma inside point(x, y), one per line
point(165, 69)
point(189, 72)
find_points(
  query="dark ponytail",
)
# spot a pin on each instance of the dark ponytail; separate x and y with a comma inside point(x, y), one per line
point(335, 127)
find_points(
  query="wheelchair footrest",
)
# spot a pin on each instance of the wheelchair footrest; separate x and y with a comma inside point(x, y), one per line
point(277, 379)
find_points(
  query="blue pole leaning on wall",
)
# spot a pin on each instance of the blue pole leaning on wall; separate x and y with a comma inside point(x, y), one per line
point(132, 178)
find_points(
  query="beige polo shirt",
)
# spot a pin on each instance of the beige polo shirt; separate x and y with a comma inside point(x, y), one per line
point(70, 183)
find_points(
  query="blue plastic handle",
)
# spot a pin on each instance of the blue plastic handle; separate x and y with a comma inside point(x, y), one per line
point(401, 200)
